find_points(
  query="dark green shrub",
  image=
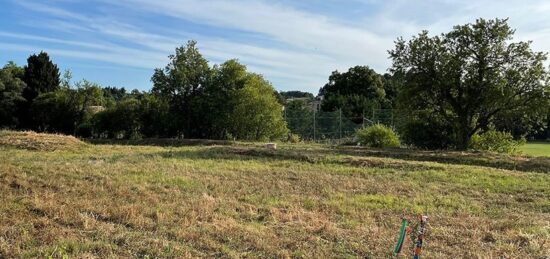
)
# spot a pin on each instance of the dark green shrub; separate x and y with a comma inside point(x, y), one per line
point(495, 141)
point(120, 121)
point(377, 135)
point(84, 130)
point(426, 134)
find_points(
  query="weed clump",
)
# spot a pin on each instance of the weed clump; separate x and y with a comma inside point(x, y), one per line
point(377, 136)
point(496, 141)
point(293, 138)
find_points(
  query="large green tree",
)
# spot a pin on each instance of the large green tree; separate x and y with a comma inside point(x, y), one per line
point(257, 114)
point(181, 81)
point(217, 102)
point(357, 91)
point(11, 88)
point(471, 75)
point(392, 83)
point(155, 116)
point(41, 76)
point(219, 98)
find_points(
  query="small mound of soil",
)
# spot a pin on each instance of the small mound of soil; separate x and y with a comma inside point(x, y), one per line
point(39, 141)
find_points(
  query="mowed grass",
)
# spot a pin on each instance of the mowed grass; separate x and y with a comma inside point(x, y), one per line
point(536, 149)
point(241, 200)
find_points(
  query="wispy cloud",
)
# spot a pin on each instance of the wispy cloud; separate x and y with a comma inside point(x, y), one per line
point(299, 31)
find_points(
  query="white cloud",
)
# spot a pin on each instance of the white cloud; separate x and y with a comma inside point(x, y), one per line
point(314, 45)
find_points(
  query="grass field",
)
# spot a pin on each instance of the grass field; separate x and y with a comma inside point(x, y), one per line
point(536, 149)
point(242, 200)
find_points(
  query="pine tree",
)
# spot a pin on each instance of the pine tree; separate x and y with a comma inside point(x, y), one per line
point(41, 76)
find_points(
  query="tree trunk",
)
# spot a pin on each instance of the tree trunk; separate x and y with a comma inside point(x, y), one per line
point(463, 133)
point(463, 139)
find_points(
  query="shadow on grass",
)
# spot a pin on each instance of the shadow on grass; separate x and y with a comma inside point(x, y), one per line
point(369, 158)
point(355, 156)
point(499, 161)
point(161, 142)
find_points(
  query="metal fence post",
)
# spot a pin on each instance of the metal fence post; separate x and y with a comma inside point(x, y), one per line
point(314, 112)
point(340, 124)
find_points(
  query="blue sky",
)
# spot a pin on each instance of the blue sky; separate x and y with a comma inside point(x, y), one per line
point(295, 44)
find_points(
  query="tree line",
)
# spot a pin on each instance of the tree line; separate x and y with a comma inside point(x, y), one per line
point(189, 99)
point(451, 86)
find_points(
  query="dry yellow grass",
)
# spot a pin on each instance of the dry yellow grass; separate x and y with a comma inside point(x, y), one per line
point(237, 201)
point(39, 141)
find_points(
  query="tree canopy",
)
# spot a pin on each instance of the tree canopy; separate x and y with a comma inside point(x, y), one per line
point(471, 75)
point(11, 88)
point(296, 94)
point(41, 76)
point(257, 115)
point(356, 91)
point(208, 101)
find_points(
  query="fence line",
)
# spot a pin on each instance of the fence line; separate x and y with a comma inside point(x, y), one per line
point(330, 126)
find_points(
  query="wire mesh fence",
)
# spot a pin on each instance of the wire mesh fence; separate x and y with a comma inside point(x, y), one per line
point(334, 127)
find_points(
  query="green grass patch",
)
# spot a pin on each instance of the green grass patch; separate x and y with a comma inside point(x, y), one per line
point(536, 149)
point(303, 200)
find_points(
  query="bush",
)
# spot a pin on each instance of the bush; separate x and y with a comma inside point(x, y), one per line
point(426, 133)
point(495, 141)
point(120, 121)
point(84, 130)
point(377, 136)
point(293, 138)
